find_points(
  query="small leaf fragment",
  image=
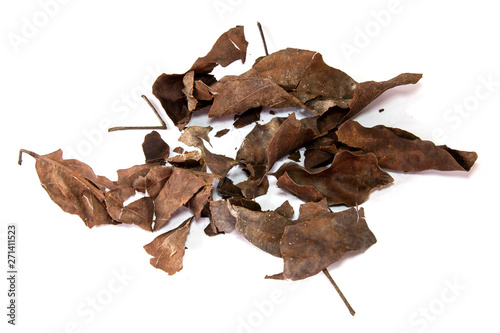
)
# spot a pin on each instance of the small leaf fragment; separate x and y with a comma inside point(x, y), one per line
point(168, 248)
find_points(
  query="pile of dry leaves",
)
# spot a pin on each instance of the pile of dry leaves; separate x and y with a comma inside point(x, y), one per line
point(343, 161)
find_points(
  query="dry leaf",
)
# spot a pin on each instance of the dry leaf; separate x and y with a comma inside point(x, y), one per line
point(400, 150)
point(263, 229)
point(348, 180)
point(180, 187)
point(73, 186)
point(155, 149)
point(319, 237)
point(168, 249)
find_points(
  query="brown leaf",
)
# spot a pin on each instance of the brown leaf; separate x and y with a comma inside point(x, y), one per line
point(348, 180)
point(253, 151)
point(155, 149)
point(222, 132)
point(188, 160)
point(73, 186)
point(368, 91)
point(227, 189)
point(221, 219)
point(253, 188)
point(233, 94)
point(290, 136)
point(192, 136)
point(268, 143)
point(180, 94)
point(303, 192)
point(168, 249)
point(400, 150)
point(200, 200)
point(178, 150)
point(180, 187)
point(247, 117)
point(307, 77)
point(218, 164)
point(168, 88)
point(295, 156)
point(320, 237)
point(153, 181)
point(230, 46)
point(263, 229)
point(139, 212)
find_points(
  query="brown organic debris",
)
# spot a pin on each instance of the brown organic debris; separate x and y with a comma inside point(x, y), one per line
point(73, 186)
point(400, 150)
point(168, 249)
point(342, 162)
point(348, 180)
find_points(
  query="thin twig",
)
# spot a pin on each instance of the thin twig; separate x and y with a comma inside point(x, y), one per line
point(263, 38)
point(163, 124)
point(351, 310)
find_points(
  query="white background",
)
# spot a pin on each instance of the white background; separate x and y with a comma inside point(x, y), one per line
point(73, 76)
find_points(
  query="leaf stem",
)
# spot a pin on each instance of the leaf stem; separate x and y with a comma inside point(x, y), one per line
point(351, 310)
point(263, 38)
point(29, 152)
point(163, 124)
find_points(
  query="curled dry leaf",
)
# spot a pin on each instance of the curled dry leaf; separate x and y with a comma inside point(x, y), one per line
point(319, 237)
point(400, 150)
point(268, 143)
point(168, 249)
point(181, 94)
point(294, 77)
point(348, 180)
point(192, 135)
point(73, 186)
point(188, 160)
